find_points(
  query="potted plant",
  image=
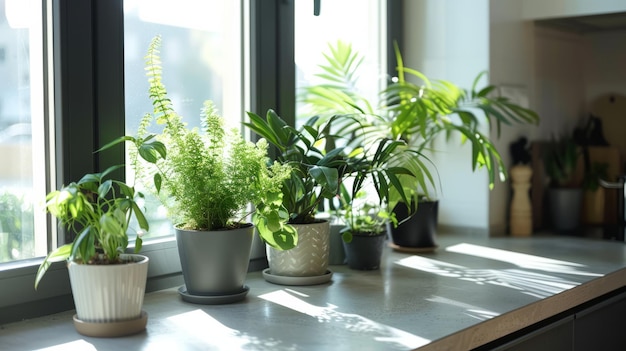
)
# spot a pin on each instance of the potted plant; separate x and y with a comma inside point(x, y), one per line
point(207, 179)
point(561, 157)
point(372, 184)
point(108, 284)
point(316, 175)
point(417, 110)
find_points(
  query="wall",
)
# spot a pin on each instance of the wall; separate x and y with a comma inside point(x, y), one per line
point(511, 66)
point(559, 74)
point(560, 81)
point(449, 40)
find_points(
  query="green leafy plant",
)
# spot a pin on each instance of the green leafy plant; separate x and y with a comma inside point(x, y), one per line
point(597, 171)
point(561, 157)
point(376, 170)
point(316, 174)
point(208, 176)
point(99, 210)
point(16, 220)
point(320, 174)
point(415, 109)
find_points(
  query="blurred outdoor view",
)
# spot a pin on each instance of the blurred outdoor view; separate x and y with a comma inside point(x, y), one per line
point(22, 165)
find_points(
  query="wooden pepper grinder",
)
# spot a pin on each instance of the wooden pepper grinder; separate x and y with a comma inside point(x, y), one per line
point(521, 216)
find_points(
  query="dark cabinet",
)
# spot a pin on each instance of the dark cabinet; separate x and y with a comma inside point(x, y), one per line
point(557, 336)
point(599, 326)
point(602, 326)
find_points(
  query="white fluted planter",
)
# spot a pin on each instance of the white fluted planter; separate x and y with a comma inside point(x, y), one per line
point(110, 295)
point(305, 264)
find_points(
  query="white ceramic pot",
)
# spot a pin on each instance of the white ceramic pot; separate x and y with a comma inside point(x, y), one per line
point(309, 258)
point(109, 293)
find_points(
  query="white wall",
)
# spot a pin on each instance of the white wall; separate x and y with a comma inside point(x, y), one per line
point(511, 66)
point(448, 39)
point(559, 81)
point(605, 65)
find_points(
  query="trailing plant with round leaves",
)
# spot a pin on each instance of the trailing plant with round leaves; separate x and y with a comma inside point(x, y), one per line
point(207, 177)
point(99, 210)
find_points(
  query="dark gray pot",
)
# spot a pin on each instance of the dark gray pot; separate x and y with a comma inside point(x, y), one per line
point(420, 230)
point(565, 206)
point(214, 262)
point(365, 251)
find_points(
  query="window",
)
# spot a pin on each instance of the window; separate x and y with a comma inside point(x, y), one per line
point(366, 36)
point(99, 92)
point(23, 233)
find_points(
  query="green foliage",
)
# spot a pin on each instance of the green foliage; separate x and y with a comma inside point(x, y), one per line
point(597, 171)
point(16, 224)
point(560, 158)
point(415, 112)
point(316, 174)
point(99, 210)
point(208, 176)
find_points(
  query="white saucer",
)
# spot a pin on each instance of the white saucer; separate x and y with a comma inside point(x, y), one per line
point(213, 299)
point(286, 280)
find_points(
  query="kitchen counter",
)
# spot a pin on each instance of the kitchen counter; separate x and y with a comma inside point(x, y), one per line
point(470, 291)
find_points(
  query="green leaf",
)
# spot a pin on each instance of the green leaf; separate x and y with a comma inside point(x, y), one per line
point(60, 254)
point(327, 178)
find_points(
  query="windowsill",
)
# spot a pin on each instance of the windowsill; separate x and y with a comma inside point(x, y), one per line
point(463, 294)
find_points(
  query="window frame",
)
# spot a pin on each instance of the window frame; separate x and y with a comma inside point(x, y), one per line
point(89, 98)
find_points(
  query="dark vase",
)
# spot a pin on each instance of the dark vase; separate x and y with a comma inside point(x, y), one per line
point(364, 252)
point(565, 206)
point(420, 230)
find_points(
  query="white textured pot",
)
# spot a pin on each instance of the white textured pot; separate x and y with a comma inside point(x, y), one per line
point(309, 258)
point(109, 293)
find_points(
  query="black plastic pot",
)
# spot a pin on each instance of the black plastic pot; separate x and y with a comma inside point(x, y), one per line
point(364, 252)
point(420, 230)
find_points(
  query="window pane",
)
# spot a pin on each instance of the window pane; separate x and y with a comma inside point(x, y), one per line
point(335, 22)
point(201, 55)
point(22, 171)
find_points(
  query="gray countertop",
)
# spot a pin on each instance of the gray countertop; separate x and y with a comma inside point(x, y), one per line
point(468, 292)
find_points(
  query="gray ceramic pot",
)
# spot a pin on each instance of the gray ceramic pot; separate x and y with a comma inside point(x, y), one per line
point(214, 262)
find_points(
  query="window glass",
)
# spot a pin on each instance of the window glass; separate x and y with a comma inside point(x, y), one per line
point(23, 231)
point(201, 59)
point(358, 22)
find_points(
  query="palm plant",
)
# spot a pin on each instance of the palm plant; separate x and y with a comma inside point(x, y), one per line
point(415, 112)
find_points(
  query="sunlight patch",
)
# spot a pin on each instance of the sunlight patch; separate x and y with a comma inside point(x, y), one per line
point(207, 331)
point(522, 260)
point(529, 283)
point(470, 310)
point(78, 345)
point(350, 322)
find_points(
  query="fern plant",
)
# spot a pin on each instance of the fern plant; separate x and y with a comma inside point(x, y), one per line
point(208, 176)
